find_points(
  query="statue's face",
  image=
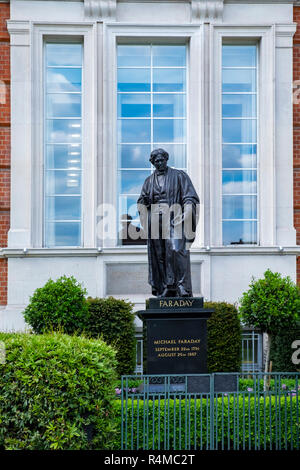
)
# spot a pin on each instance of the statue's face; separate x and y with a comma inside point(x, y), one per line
point(160, 162)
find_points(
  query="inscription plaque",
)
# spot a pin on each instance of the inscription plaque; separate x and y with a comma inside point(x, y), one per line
point(176, 346)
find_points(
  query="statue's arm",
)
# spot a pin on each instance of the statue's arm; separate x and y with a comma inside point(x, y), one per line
point(190, 202)
point(144, 198)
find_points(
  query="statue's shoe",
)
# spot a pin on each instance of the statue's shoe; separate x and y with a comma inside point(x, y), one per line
point(181, 292)
point(168, 293)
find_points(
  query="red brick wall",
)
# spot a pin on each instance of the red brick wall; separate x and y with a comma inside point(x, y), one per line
point(4, 144)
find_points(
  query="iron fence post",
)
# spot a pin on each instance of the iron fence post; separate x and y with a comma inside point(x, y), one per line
point(211, 410)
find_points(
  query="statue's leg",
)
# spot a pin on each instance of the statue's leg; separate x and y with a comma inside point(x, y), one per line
point(157, 266)
point(182, 267)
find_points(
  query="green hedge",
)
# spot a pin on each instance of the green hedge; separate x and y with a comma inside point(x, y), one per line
point(56, 392)
point(281, 350)
point(278, 385)
point(237, 425)
point(58, 305)
point(113, 320)
point(224, 338)
point(61, 306)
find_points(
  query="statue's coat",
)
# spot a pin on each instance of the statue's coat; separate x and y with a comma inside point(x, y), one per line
point(175, 270)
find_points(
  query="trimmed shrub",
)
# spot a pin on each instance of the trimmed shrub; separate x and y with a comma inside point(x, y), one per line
point(271, 304)
point(246, 422)
point(224, 338)
point(56, 392)
point(281, 350)
point(58, 305)
point(113, 320)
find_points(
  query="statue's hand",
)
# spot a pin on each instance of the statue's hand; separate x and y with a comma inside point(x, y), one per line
point(146, 201)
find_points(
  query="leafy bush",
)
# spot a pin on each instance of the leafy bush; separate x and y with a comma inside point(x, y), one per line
point(56, 392)
point(281, 350)
point(276, 385)
point(113, 319)
point(61, 306)
point(58, 305)
point(224, 338)
point(240, 422)
point(271, 304)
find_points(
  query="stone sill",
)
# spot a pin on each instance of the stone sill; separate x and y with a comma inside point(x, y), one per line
point(94, 252)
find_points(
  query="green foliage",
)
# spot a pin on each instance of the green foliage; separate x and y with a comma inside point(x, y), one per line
point(61, 306)
point(58, 305)
point(54, 390)
point(271, 303)
point(224, 338)
point(113, 319)
point(276, 385)
point(245, 421)
point(281, 350)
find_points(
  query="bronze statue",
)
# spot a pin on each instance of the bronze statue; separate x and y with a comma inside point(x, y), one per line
point(168, 208)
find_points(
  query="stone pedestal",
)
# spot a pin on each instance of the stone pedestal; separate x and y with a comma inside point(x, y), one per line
point(176, 335)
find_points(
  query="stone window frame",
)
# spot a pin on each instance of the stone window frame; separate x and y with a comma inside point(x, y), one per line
point(41, 33)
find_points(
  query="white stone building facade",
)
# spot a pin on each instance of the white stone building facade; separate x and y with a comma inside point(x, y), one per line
point(212, 81)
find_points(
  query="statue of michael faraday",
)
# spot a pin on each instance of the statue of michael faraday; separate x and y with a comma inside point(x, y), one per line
point(168, 208)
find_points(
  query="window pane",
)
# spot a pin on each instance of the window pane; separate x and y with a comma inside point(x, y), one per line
point(64, 54)
point(239, 106)
point(239, 56)
point(130, 56)
point(239, 232)
point(132, 181)
point(172, 105)
point(169, 56)
point(169, 130)
point(134, 105)
point(63, 207)
point(239, 207)
point(168, 80)
point(239, 80)
point(177, 154)
point(63, 79)
point(134, 79)
point(63, 156)
point(63, 130)
point(239, 156)
point(63, 182)
point(63, 234)
point(64, 105)
point(134, 130)
point(239, 182)
point(239, 130)
point(134, 156)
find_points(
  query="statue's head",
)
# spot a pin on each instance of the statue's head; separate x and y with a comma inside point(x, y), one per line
point(159, 158)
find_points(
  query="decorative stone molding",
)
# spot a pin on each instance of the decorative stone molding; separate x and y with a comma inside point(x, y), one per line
point(100, 9)
point(207, 10)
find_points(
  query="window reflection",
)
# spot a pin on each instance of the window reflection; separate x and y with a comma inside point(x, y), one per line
point(239, 156)
point(134, 80)
point(63, 86)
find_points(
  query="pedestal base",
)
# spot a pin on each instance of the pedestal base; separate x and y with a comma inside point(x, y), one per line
point(176, 336)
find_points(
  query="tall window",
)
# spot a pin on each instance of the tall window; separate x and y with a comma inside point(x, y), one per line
point(239, 112)
point(63, 131)
point(151, 114)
